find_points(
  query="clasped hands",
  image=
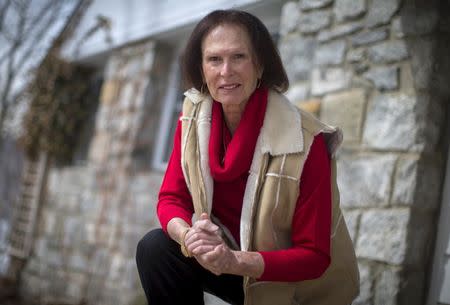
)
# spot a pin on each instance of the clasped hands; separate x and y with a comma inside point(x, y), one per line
point(204, 242)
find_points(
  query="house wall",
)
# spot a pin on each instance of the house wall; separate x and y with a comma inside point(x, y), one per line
point(440, 276)
point(441, 272)
point(370, 67)
point(135, 20)
point(378, 70)
point(94, 214)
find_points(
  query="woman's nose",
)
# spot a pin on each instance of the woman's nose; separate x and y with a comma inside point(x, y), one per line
point(227, 68)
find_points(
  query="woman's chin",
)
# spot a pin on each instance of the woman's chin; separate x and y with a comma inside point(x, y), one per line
point(230, 102)
point(230, 99)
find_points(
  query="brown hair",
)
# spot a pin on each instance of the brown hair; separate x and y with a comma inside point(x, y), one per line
point(274, 75)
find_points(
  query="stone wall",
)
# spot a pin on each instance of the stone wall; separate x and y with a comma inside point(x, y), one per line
point(369, 66)
point(94, 215)
point(374, 68)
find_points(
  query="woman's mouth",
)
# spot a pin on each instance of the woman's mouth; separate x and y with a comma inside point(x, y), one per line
point(229, 87)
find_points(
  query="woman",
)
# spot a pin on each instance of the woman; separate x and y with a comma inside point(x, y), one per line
point(259, 176)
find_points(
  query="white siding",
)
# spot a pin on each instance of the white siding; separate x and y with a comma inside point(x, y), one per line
point(444, 296)
point(448, 245)
point(133, 20)
point(439, 291)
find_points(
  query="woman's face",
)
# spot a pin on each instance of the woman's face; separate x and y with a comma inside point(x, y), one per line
point(229, 65)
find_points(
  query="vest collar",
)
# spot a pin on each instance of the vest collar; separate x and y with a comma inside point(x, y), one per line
point(195, 96)
point(280, 133)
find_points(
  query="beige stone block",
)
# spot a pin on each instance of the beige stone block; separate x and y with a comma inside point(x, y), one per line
point(329, 80)
point(99, 149)
point(90, 233)
point(110, 91)
point(76, 286)
point(346, 110)
point(407, 79)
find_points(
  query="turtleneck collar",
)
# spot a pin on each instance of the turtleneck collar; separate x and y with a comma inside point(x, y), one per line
point(228, 161)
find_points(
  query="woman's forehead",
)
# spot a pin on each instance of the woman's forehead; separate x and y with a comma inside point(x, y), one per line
point(226, 36)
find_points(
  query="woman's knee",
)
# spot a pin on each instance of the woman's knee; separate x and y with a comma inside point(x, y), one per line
point(152, 246)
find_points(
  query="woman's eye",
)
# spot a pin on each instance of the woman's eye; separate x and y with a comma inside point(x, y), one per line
point(239, 56)
point(214, 58)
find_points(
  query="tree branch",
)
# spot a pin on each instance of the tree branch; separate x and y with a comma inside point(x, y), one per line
point(22, 28)
point(41, 33)
point(3, 10)
point(41, 14)
point(11, 73)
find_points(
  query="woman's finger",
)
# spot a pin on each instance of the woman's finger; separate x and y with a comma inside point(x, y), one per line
point(201, 249)
point(206, 225)
point(207, 237)
point(192, 244)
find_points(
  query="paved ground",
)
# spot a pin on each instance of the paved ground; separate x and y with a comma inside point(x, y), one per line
point(212, 300)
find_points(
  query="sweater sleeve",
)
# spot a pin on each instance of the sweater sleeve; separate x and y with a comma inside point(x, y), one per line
point(309, 256)
point(174, 199)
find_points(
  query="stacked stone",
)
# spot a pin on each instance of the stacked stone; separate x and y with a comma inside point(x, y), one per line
point(367, 66)
point(60, 263)
point(94, 215)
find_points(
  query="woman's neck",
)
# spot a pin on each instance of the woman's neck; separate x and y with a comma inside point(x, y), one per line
point(232, 115)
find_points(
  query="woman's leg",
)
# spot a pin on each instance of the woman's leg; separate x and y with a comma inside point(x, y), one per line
point(166, 275)
point(228, 287)
point(170, 278)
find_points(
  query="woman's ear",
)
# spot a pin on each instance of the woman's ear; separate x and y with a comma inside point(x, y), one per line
point(203, 76)
point(260, 72)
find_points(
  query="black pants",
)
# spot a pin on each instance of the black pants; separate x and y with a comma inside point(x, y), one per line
point(169, 278)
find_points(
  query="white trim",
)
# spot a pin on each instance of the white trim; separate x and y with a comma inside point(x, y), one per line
point(277, 200)
point(442, 241)
point(187, 118)
point(281, 176)
point(249, 196)
point(337, 225)
point(203, 133)
point(130, 23)
point(170, 101)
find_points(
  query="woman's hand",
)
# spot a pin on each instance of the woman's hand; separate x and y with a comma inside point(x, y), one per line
point(205, 243)
point(220, 260)
point(203, 236)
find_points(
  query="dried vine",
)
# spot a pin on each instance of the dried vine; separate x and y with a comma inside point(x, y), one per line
point(59, 106)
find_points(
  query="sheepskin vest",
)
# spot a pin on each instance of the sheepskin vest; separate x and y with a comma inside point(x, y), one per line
point(271, 195)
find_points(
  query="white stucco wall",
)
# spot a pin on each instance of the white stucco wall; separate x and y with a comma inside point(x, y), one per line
point(134, 20)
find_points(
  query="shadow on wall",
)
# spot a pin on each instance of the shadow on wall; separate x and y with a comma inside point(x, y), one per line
point(427, 36)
